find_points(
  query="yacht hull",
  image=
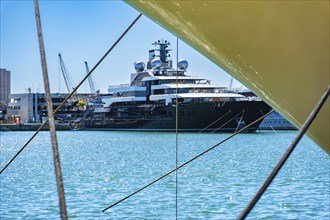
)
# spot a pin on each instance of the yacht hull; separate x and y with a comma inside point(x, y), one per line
point(192, 117)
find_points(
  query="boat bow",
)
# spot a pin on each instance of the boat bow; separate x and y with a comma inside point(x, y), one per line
point(278, 49)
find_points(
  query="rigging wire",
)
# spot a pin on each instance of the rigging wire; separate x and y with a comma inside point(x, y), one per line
point(74, 90)
point(52, 129)
point(187, 162)
point(176, 129)
point(286, 155)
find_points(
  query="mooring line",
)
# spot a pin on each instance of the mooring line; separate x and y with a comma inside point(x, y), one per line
point(221, 117)
point(52, 129)
point(69, 96)
point(286, 155)
point(228, 121)
point(273, 129)
point(239, 122)
point(187, 162)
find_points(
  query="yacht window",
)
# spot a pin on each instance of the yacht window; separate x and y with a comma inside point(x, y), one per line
point(156, 82)
point(165, 82)
point(15, 100)
point(184, 90)
point(158, 92)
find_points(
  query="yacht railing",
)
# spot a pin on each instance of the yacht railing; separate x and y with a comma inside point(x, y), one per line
point(120, 85)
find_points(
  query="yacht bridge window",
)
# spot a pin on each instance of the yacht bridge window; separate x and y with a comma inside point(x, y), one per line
point(183, 90)
point(130, 93)
point(173, 81)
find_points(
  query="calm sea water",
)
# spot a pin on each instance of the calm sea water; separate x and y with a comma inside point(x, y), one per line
point(100, 168)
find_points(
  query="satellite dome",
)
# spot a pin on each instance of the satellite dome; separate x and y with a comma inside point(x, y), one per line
point(182, 64)
point(139, 66)
point(156, 63)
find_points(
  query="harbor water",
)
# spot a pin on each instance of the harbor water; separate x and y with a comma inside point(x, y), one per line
point(100, 168)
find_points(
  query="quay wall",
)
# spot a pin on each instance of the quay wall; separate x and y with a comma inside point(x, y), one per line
point(33, 127)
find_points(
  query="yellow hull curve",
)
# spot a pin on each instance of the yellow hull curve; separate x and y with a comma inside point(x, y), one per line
point(278, 49)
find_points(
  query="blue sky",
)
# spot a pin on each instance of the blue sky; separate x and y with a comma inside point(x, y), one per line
point(84, 31)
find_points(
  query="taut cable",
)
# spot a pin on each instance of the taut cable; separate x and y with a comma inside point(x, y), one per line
point(176, 130)
point(69, 96)
point(187, 162)
point(286, 155)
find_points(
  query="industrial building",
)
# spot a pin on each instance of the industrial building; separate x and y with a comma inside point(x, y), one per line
point(32, 107)
point(4, 85)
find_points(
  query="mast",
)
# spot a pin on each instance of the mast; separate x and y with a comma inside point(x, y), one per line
point(161, 54)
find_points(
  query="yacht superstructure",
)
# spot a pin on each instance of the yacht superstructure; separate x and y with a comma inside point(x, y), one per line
point(148, 102)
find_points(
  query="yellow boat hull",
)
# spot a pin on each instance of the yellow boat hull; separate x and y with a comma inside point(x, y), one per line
point(278, 49)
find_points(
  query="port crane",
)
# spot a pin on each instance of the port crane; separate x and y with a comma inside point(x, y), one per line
point(91, 81)
point(70, 85)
